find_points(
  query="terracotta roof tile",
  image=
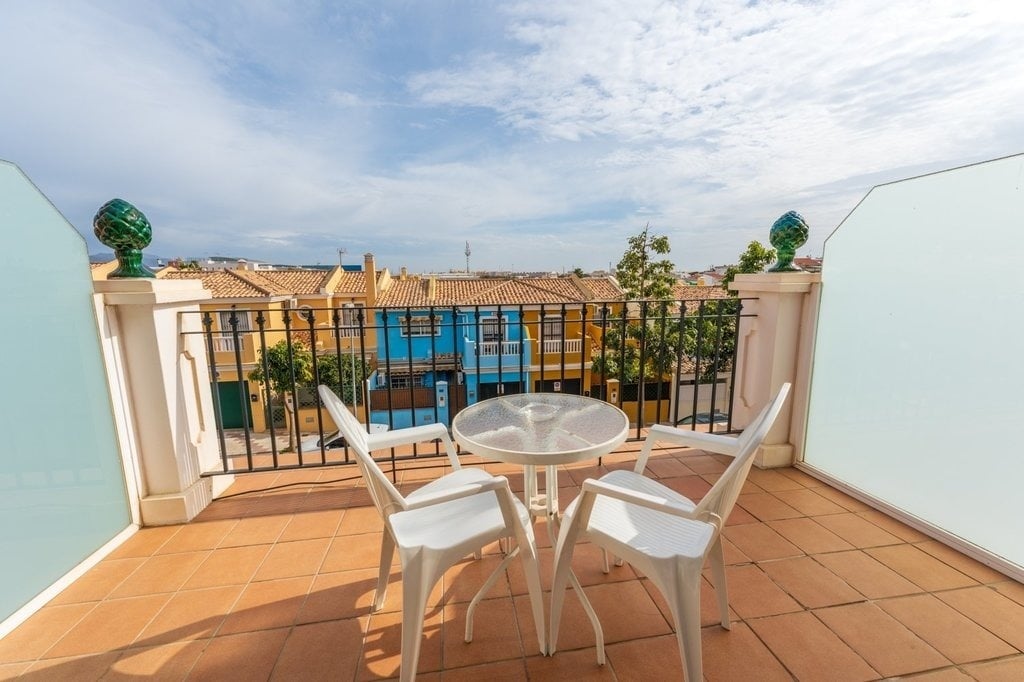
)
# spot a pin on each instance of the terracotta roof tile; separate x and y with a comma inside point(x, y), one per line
point(603, 288)
point(486, 291)
point(556, 289)
point(513, 292)
point(351, 283)
point(297, 281)
point(228, 283)
point(261, 281)
point(682, 291)
point(404, 292)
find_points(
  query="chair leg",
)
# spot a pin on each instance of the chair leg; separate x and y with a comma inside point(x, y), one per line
point(532, 571)
point(560, 584)
point(716, 558)
point(484, 589)
point(605, 567)
point(567, 536)
point(387, 553)
point(682, 594)
point(688, 630)
point(416, 584)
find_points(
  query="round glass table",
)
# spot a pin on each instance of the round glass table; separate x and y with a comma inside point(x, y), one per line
point(541, 429)
point(544, 430)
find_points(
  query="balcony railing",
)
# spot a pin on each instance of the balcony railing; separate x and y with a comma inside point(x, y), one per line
point(558, 345)
point(344, 332)
point(227, 344)
point(667, 361)
point(492, 348)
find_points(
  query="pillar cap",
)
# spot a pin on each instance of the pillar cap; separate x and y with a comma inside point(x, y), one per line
point(775, 282)
point(151, 291)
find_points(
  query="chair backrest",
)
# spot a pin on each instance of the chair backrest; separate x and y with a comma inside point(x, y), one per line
point(720, 500)
point(385, 495)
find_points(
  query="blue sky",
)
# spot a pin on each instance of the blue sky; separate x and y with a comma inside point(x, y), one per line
point(543, 133)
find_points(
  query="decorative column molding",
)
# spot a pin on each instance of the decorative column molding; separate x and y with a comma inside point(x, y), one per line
point(775, 347)
point(170, 405)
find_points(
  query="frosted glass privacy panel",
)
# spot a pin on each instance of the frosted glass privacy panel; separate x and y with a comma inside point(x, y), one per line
point(918, 377)
point(62, 491)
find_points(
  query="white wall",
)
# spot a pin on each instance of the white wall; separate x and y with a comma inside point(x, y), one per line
point(916, 391)
point(62, 490)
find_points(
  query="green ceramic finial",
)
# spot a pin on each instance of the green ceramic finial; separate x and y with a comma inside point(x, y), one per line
point(125, 229)
point(788, 234)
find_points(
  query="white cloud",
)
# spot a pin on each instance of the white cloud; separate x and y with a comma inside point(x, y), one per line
point(765, 101)
point(271, 131)
point(130, 112)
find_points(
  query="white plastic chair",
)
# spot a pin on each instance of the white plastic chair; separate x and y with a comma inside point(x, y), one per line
point(437, 525)
point(661, 532)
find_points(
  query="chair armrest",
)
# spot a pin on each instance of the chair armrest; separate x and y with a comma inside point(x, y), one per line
point(595, 486)
point(406, 436)
point(457, 493)
point(725, 445)
point(659, 433)
point(415, 434)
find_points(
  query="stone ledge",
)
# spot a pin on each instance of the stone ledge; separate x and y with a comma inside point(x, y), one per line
point(774, 456)
point(181, 507)
point(776, 282)
point(140, 291)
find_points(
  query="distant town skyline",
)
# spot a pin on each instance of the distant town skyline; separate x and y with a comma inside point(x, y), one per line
point(155, 260)
point(544, 134)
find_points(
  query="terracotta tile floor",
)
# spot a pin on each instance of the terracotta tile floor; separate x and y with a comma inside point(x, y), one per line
point(274, 581)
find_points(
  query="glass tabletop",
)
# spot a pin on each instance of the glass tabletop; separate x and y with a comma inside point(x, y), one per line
point(540, 428)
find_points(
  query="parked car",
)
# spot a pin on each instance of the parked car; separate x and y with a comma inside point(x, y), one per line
point(336, 440)
point(705, 418)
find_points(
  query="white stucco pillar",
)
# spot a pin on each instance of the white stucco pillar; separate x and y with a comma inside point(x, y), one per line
point(169, 406)
point(774, 347)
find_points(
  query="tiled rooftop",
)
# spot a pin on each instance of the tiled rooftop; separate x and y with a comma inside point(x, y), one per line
point(298, 281)
point(230, 283)
point(682, 291)
point(274, 581)
point(498, 291)
point(352, 283)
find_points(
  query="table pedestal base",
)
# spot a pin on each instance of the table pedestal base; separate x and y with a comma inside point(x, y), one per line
point(546, 504)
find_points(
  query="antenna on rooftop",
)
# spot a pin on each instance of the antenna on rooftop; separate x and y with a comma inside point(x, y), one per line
point(467, 257)
point(341, 252)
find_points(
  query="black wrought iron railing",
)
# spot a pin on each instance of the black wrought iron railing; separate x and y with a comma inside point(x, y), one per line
point(659, 361)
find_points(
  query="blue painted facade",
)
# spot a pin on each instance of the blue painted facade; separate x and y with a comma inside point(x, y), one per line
point(454, 349)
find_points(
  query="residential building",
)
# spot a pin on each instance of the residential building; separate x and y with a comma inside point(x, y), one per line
point(808, 263)
point(452, 342)
point(251, 309)
point(682, 290)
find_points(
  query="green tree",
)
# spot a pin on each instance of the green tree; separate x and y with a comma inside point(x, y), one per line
point(755, 259)
point(337, 371)
point(284, 368)
point(710, 338)
point(693, 336)
point(639, 274)
point(182, 264)
point(649, 336)
point(578, 271)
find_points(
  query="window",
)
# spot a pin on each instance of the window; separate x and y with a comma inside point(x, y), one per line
point(241, 321)
point(553, 328)
point(403, 381)
point(350, 316)
point(490, 330)
point(348, 322)
point(419, 326)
